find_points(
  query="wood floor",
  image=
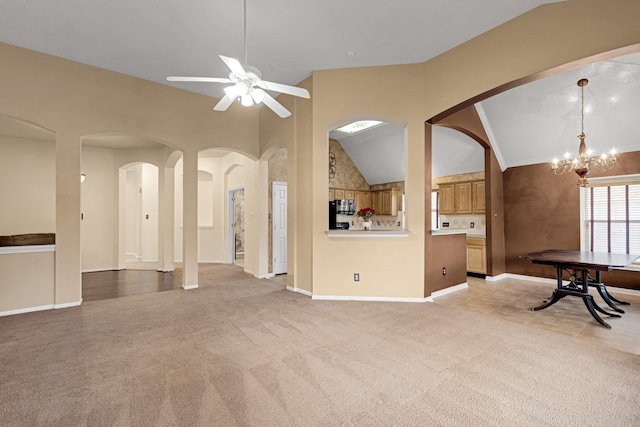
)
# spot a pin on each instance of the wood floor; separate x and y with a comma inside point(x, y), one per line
point(121, 283)
point(508, 299)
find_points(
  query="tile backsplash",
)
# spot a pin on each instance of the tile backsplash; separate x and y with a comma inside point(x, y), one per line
point(379, 222)
point(465, 222)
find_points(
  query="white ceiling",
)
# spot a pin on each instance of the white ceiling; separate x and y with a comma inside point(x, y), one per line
point(287, 40)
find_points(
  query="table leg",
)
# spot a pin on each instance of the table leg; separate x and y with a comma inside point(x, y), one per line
point(606, 296)
point(588, 301)
point(556, 296)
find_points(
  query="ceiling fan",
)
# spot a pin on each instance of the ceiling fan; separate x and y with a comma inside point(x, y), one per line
point(248, 85)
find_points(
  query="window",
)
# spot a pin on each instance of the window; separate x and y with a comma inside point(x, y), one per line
point(611, 215)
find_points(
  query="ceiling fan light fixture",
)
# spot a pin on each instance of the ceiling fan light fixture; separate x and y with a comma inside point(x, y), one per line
point(257, 95)
point(247, 101)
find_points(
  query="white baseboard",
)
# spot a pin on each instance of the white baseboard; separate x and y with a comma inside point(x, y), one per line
point(368, 299)
point(166, 270)
point(26, 310)
point(450, 289)
point(96, 270)
point(68, 304)
point(529, 278)
point(188, 287)
point(300, 291)
point(496, 278)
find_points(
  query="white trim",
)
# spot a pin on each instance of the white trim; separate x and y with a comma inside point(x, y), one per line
point(149, 260)
point(68, 304)
point(165, 270)
point(26, 249)
point(188, 287)
point(367, 234)
point(300, 291)
point(492, 137)
point(530, 278)
point(496, 278)
point(96, 270)
point(450, 289)
point(26, 310)
point(369, 299)
point(267, 276)
point(133, 254)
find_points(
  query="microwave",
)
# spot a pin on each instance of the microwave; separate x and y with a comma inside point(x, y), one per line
point(345, 206)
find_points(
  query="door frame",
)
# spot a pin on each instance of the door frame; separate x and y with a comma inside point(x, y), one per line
point(231, 235)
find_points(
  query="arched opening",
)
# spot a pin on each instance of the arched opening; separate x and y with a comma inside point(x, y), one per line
point(366, 168)
point(141, 227)
point(124, 211)
point(458, 191)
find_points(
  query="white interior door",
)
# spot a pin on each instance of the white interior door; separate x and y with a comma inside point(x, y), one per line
point(279, 228)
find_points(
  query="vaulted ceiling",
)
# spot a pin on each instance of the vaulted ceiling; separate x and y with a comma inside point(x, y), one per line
point(287, 40)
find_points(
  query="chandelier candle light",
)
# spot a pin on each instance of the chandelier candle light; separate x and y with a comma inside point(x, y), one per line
point(585, 161)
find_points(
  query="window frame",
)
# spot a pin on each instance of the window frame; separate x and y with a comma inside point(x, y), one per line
point(608, 181)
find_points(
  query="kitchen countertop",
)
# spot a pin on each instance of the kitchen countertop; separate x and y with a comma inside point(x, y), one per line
point(365, 234)
point(468, 232)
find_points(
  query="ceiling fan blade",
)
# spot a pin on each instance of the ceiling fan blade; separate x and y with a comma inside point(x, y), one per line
point(275, 106)
point(279, 87)
point(198, 79)
point(224, 103)
point(234, 65)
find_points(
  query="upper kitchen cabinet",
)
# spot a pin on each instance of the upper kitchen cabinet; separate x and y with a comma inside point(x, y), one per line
point(461, 197)
point(478, 197)
point(446, 198)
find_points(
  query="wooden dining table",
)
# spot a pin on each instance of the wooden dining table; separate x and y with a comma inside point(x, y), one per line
point(578, 264)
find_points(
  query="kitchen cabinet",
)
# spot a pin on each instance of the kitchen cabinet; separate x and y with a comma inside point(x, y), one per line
point(463, 204)
point(385, 202)
point(476, 255)
point(461, 198)
point(446, 198)
point(363, 199)
point(478, 197)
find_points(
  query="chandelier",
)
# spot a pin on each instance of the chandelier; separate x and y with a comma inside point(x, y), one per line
point(585, 161)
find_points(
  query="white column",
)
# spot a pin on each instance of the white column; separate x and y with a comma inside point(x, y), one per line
point(190, 220)
point(168, 218)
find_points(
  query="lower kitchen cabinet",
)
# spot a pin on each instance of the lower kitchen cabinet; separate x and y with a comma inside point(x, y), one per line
point(476, 255)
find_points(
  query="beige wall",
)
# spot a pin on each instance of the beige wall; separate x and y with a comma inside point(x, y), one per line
point(90, 101)
point(27, 192)
point(99, 210)
point(27, 281)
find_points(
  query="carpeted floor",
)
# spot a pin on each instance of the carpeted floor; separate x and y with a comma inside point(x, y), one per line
point(245, 352)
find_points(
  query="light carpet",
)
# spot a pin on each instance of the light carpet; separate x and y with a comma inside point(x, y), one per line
point(240, 351)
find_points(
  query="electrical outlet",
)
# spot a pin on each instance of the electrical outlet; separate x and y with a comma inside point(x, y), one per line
point(472, 225)
point(444, 271)
point(356, 277)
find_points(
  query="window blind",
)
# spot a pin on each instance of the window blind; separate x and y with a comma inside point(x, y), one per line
point(611, 215)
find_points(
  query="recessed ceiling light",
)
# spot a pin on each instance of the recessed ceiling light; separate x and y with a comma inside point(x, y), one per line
point(359, 126)
point(351, 53)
